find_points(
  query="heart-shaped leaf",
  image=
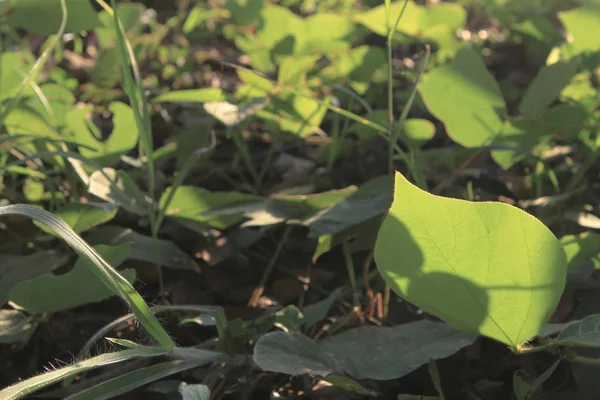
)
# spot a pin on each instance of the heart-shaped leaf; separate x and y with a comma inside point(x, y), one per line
point(486, 268)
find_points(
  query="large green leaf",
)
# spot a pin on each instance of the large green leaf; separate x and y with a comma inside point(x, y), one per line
point(122, 139)
point(52, 293)
point(363, 353)
point(546, 87)
point(388, 353)
point(16, 269)
point(486, 268)
point(44, 16)
point(466, 98)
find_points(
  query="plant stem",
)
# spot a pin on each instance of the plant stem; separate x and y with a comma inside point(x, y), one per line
point(351, 272)
point(261, 286)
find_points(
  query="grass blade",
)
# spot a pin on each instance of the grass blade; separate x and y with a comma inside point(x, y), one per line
point(137, 378)
point(21, 389)
point(101, 268)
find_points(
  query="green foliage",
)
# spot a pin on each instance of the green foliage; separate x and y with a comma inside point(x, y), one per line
point(306, 119)
point(44, 16)
point(492, 270)
point(363, 353)
point(71, 289)
point(121, 140)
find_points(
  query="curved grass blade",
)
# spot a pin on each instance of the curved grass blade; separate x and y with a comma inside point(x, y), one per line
point(21, 389)
point(133, 380)
point(118, 284)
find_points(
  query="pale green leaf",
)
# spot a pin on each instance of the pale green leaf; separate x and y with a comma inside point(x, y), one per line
point(79, 286)
point(15, 326)
point(486, 268)
point(230, 114)
point(194, 392)
point(16, 269)
point(117, 187)
point(582, 333)
point(466, 98)
point(45, 16)
point(21, 389)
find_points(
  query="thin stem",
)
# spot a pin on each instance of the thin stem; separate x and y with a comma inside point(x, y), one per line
point(351, 272)
point(261, 286)
point(393, 140)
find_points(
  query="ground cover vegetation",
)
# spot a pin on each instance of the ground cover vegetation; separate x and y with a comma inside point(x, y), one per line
point(255, 199)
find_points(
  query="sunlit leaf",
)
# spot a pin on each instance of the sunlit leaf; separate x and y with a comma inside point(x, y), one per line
point(486, 268)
